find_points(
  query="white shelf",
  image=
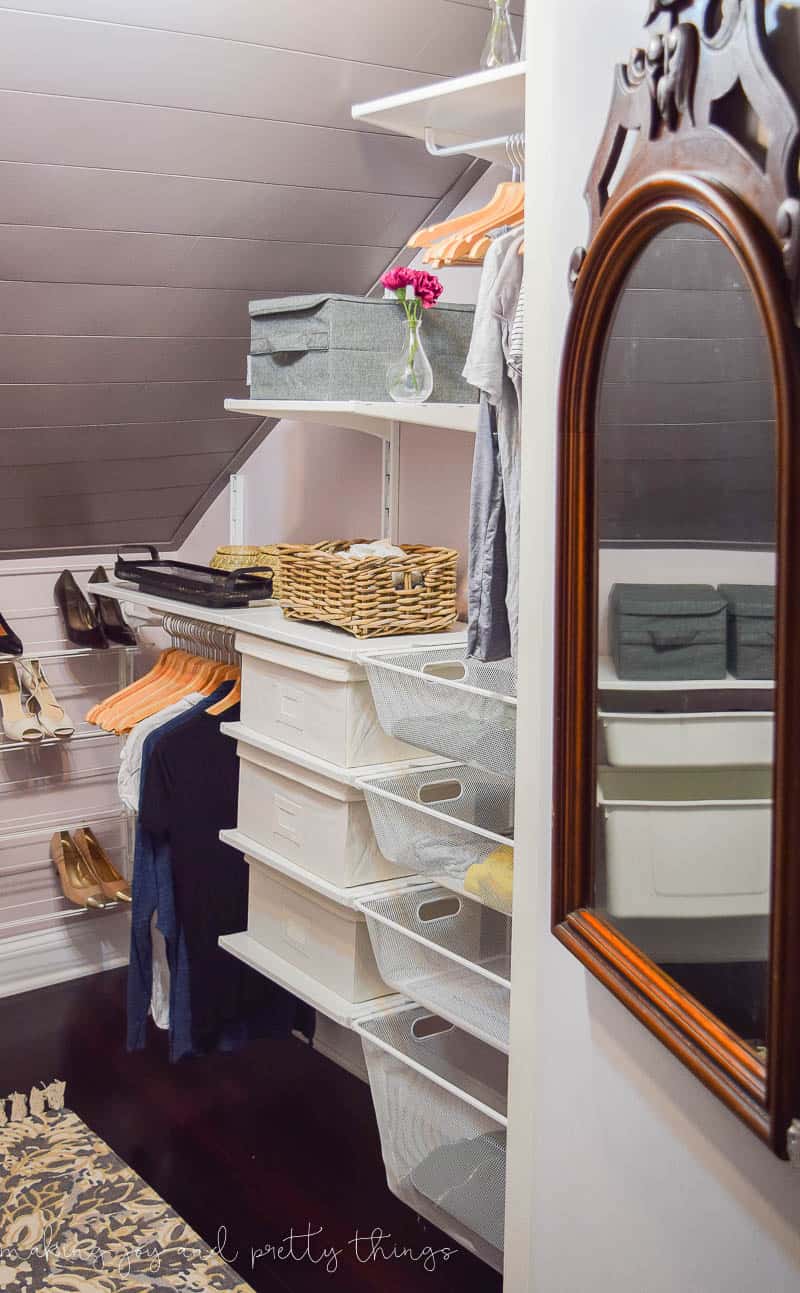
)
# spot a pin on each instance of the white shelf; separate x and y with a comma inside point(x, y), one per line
point(345, 897)
point(464, 109)
point(333, 771)
point(65, 653)
point(308, 989)
point(608, 680)
point(83, 732)
point(268, 622)
point(373, 418)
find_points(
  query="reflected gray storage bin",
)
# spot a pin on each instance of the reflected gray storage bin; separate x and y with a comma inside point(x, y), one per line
point(751, 629)
point(668, 631)
point(333, 347)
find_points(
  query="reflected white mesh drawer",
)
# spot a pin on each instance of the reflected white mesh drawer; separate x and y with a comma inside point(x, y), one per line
point(685, 844)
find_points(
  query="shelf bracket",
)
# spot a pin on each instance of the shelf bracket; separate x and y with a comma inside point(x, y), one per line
point(390, 496)
point(237, 509)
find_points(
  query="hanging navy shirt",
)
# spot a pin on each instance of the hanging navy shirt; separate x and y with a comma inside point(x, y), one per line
point(189, 795)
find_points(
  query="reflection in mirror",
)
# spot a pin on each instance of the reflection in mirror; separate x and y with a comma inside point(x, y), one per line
point(686, 463)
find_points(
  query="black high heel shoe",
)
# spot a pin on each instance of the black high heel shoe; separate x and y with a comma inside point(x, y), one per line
point(10, 644)
point(80, 622)
point(109, 614)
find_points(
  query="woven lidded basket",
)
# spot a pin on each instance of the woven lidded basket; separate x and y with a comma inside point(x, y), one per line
point(371, 596)
point(273, 554)
point(234, 557)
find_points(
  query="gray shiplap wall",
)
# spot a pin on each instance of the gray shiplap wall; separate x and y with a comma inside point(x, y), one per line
point(162, 162)
point(687, 448)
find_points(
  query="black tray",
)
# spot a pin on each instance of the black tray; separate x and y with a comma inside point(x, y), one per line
point(197, 585)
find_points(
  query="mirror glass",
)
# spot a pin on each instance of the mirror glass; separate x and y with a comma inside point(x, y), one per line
point(686, 550)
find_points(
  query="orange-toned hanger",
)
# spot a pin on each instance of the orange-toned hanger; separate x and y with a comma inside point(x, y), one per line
point(465, 241)
point(97, 710)
point(156, 685)
point(198, 675)
point(504, 197)
point(470, 246)
point(233, 697)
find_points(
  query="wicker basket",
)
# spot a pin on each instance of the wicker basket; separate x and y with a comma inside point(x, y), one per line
point(273, 554)
point(234, 557)
point(373, 596)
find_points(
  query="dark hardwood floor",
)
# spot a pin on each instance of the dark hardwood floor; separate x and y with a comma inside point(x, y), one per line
point(250, 1145)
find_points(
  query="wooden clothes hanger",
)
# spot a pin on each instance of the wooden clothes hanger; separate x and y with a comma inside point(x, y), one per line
point(464, 240)
point(96, 712)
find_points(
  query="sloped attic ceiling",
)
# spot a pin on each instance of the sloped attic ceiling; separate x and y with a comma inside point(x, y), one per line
point(162, 162)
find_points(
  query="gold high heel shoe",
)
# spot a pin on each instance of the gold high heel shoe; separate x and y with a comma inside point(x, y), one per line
point(19, 719)
point(115, 887)
point(79, 884)
point(49, 714)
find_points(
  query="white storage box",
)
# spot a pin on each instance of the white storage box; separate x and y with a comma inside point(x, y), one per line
point(449, 953)
point(718, 740)
point(327, 941)
point(440, 1101)
point(442, 701)
point(310, 816)
point(315, 703)
point(440, 821)
point(686, 844)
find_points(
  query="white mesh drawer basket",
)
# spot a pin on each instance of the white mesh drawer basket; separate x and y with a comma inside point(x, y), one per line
point(440, 1101)
point(449, 953)
point(439, 700)
point(442, 820)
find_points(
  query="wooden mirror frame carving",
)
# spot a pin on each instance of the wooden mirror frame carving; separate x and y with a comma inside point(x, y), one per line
point(685, 165)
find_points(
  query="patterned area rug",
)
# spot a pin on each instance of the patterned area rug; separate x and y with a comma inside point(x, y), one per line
point(75, 1219)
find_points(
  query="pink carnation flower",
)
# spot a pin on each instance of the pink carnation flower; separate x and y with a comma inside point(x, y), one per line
point(395, 279)
point(426, 287)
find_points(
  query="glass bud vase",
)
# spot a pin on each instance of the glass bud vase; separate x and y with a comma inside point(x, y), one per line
point(501, 45)
point(410, 378)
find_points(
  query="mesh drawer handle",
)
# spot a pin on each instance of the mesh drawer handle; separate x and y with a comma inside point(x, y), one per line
point(407, 579)
point(438, 792)
point(451, 670)
point(677, 638)
point(439, 908)
point(430, 1026)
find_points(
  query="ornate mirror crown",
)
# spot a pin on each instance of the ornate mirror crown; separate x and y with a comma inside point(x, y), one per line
point(705, 92)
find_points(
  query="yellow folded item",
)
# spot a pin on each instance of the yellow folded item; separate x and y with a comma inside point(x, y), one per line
point(492, 880)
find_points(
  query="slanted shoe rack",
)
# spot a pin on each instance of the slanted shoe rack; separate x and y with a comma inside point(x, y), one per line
point(58, 785)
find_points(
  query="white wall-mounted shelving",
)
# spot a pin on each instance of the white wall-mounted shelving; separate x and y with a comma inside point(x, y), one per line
point(373, 418)
point(345, 897)
point(268, 622)
point(609, 680)
point(462, 110)
point(305, 987)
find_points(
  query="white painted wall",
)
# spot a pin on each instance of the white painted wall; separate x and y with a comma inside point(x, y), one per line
point(626, 1176)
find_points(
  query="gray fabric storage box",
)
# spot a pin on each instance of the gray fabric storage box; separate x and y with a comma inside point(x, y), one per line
point(751, 629)
point(668, 631)
point(330, 347)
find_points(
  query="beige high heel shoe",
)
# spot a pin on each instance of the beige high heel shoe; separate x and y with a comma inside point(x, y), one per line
point(79, 884)
point(115, 887)
point(19, 721)
point(49, 714)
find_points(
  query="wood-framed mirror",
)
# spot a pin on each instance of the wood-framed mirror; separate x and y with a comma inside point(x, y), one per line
point(676, 869)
